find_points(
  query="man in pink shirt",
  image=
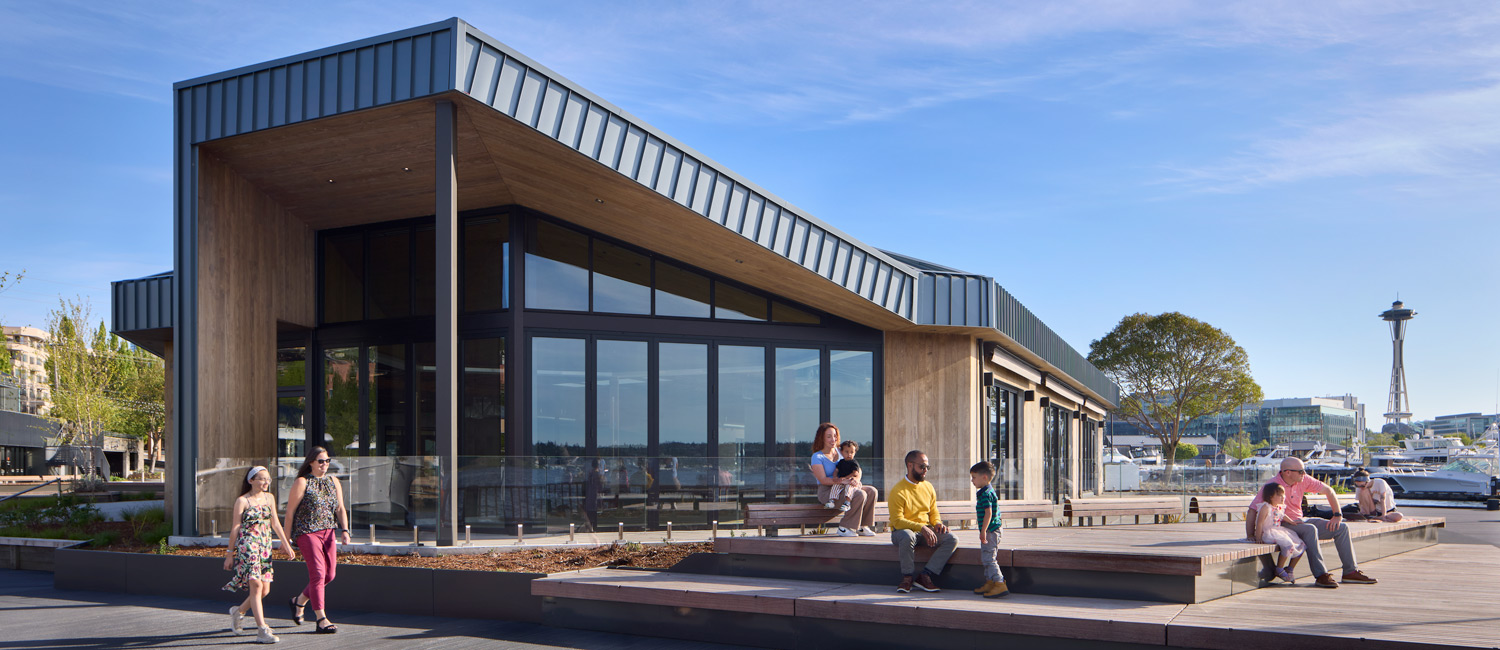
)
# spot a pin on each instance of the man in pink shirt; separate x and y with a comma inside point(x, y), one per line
point(1294, 478)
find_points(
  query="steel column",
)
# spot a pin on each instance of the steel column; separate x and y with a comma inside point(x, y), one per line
point(446, 215)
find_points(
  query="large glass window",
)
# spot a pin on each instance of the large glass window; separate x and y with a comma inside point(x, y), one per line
point(682, 398)
point(558, 403)
point(734, 303)
point(481, 424)
point(341, 400)
point(622, 280)
point(680, 292)
point(1004, 439)
point(389, 401)
point(390, 274)
point(1088, 470)
point(426, 399)
point(621, 398)
point(742, 407)
point(343, 278)
point(798, 402)
point(851, 396)
point(486, 254)
point(1057, 430)
point(557, 268)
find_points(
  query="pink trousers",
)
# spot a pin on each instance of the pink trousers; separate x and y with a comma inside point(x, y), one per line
point(320, 550)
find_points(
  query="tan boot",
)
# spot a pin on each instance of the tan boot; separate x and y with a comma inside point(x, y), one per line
point(984, 587)
point(997, 590)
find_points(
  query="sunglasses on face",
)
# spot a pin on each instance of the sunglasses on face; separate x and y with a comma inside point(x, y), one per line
point(923, 466)
point(321, 461)
point(1295, 471)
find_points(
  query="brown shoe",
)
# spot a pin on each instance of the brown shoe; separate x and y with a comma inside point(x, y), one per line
point(905, 585)
point(999, 589)
point(924, 582)
point(1326, 580)
point(1357, 578)
point(984, 587)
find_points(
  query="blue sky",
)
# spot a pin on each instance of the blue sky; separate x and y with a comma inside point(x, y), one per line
point(1278, 169)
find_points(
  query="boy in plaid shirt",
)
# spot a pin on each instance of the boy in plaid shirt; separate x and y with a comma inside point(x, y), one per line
point(987, 504)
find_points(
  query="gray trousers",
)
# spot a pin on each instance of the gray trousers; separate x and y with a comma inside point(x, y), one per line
point(1313, 529)
point(989, 544)
point(906, 542)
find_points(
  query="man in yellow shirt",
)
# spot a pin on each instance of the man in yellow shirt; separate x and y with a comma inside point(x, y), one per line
point(914, 520)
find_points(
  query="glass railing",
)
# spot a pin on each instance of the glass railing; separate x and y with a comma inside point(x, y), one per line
point(551, 495)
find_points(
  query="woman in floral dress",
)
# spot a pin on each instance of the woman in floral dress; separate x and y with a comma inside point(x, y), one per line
point(249, 553)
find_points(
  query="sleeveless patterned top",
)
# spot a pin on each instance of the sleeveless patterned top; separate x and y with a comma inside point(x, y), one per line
point(317, 510)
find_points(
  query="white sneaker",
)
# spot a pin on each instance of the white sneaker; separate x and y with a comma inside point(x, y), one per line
point(265, 636)
point(866, 532)
point(843, 507)
point(234, 619)
point(830, 505)
point(845, 532)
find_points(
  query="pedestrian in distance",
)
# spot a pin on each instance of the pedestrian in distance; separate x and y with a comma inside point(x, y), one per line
point(315, 514)
point(249, 554)
point(987, 509)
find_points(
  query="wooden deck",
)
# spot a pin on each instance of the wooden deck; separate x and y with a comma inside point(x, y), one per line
point(1174, 549)
point(1435, 597)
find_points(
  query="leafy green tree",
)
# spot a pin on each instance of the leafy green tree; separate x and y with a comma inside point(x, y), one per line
point(83, 372)
point(1185, 451)
point(1240, 447)
point(140, 392)
point(1173, 368)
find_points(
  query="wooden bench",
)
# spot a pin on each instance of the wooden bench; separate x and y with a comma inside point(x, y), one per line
point(1157, 507)
point(1225, 505)
point(774, 515)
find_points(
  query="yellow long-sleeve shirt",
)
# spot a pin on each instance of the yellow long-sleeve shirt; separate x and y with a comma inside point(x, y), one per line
point(912, 505)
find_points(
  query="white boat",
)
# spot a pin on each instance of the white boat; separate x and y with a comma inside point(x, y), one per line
point(1466, 477)
point(1418, 449)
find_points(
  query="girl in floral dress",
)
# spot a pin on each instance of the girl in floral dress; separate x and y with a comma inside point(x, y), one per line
point(249, 553)
point(1269, 531)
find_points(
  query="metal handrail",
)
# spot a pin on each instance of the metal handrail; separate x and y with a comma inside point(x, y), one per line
point(35, 487)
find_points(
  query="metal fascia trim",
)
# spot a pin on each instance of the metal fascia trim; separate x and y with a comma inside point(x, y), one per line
point(1001, 358)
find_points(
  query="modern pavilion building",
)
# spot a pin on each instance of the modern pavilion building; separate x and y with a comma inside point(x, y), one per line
point(479, 284)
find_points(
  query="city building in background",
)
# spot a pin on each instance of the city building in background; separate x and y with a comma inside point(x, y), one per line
point(501, 300)
point(28, 348)
point(1336, 421)
point(1466, 424)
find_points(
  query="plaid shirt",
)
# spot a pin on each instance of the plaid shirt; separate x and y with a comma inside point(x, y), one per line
point(985, 499)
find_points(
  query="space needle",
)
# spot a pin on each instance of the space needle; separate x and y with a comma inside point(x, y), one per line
point(1398, 407)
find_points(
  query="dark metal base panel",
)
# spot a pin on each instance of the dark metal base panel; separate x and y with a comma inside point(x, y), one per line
point(788, 632)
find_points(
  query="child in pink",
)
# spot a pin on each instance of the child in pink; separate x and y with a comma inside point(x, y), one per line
point(1269, 531)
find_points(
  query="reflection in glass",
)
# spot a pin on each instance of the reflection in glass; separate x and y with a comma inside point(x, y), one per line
point(557, 396)
point(424, 272)
point(388, 401)
point(481, 424)
point(734, 303)
point(426, 399)
point(680, 292)
point(557, 263)
point(291, 367)
point(784, 313)
point(486, 252)
point(390, 274)
point(621, 397)
point(797, 400)
point(341, 400)
point(851, 396)
point(622, 280)
point(343, 278)
point(291, 428)
point(682, 401)
point(742, 409)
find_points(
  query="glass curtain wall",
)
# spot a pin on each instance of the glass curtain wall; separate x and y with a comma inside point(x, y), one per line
point(1088, 457)
point(1057, 435)
point(650, 387)
point(1003, 435)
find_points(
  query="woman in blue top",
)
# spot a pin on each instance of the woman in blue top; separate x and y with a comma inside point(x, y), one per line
point(861, 514)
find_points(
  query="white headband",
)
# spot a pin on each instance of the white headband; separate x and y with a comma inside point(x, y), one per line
point(253, 471)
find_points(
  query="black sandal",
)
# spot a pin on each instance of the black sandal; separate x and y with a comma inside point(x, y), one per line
point(296, 611)
point(329, 629)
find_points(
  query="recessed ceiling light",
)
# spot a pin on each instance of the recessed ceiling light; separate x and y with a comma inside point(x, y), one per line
point(330, 181)
point(598, 200)
point(406, 169)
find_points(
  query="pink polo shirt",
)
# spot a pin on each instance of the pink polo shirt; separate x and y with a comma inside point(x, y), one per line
point(1294, 492)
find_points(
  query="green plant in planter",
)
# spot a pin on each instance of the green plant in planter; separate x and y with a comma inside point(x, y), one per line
point(105, 538)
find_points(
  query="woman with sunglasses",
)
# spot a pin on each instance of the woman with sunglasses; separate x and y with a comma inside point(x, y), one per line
point(1376, 501)
point(314, 513)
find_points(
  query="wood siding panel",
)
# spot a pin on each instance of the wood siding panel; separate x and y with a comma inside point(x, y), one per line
point(932, 403)
point(255, 268)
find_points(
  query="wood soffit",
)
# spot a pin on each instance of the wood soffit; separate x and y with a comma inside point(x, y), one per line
point(502, 162)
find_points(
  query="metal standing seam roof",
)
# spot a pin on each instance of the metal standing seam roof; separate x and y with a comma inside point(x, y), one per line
point(452, 55)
